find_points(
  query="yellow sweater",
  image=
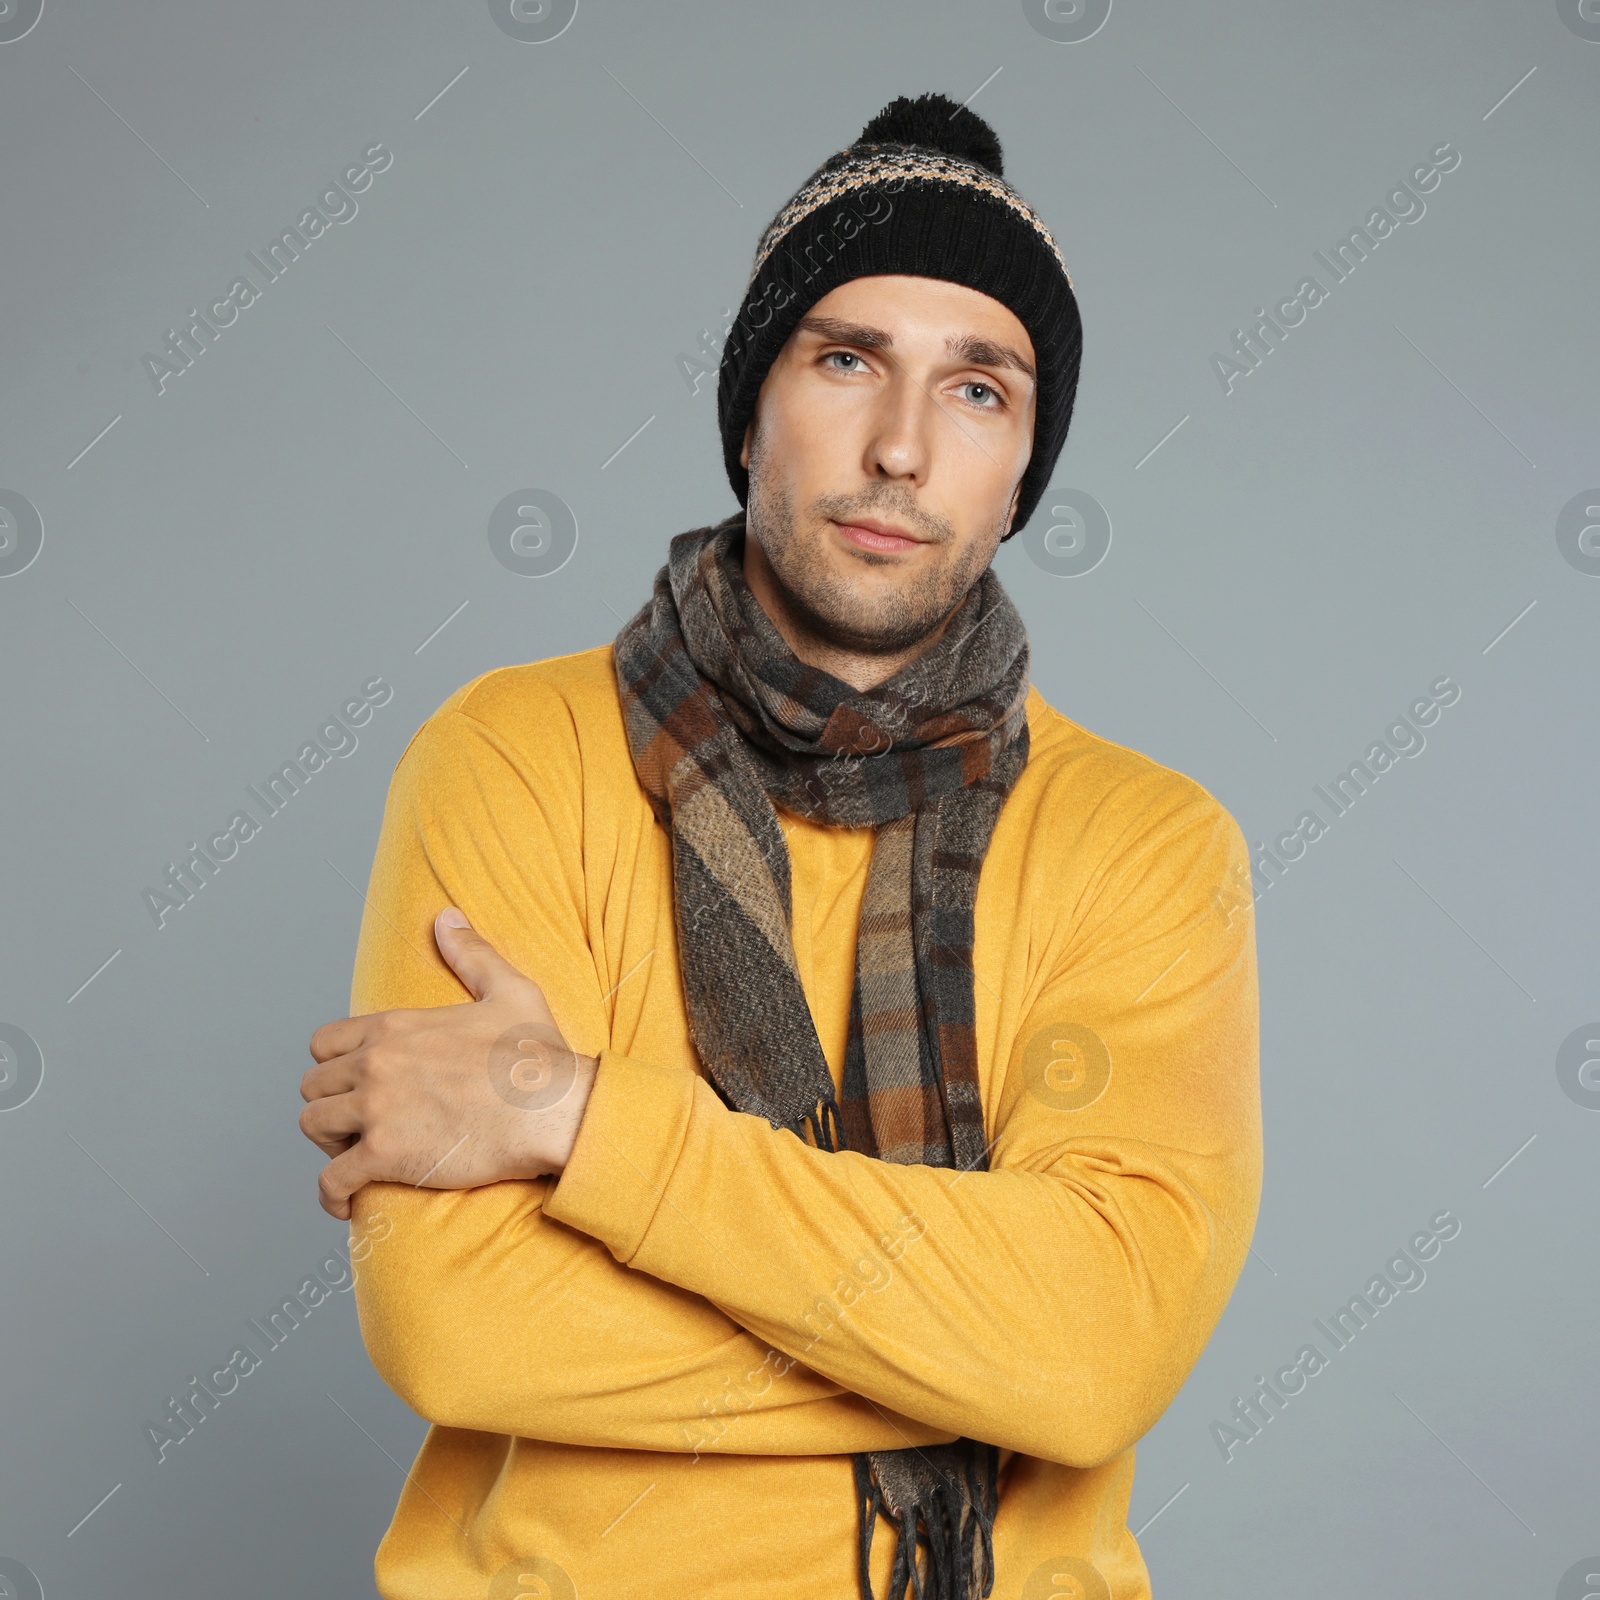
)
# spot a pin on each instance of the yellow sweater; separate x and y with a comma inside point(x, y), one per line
point(648, 1377)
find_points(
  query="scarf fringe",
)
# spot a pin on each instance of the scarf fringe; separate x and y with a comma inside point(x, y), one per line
point(959, 1568)
point(822, 1123)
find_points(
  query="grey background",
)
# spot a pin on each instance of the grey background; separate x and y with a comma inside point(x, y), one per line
point(304, 508)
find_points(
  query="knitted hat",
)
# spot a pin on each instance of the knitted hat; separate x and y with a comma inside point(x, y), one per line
point(921, 192)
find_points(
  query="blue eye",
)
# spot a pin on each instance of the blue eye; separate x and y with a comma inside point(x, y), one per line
point(848, 355)
point(986, 390)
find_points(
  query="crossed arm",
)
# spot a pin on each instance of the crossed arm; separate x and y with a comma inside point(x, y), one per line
point(659, 1272)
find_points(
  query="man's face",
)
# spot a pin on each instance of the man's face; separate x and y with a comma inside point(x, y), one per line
point(888, 443)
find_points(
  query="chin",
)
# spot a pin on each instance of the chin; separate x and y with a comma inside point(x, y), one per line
point(868, 618)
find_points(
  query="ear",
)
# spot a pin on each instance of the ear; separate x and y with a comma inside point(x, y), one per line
point(744, 449)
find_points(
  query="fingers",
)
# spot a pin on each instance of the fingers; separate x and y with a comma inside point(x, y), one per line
point(486, 973)
point(351, 1033)
point(338, 1076)
point(332, 1123)
point(338, 1182)
point(338, 1038)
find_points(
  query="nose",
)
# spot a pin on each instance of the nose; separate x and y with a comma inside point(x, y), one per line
point(899, 443)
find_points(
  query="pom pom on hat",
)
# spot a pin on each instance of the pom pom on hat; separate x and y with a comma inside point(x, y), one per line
point(936, 122)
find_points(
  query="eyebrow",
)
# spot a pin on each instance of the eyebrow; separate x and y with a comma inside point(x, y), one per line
point(968, 347)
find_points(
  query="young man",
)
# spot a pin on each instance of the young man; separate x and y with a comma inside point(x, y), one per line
point(853, 1135)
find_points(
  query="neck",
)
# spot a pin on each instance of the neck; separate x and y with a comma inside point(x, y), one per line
point(861, 669)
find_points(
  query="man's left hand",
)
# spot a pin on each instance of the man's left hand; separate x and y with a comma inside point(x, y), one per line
point(449, 1097)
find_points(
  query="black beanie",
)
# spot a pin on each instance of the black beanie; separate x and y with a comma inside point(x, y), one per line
point(921, 192)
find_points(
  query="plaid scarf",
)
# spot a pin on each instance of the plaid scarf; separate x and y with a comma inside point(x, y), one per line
point(723, 720)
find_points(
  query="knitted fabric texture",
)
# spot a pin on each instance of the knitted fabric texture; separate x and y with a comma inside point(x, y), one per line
point(722, 721)
point(920, 193)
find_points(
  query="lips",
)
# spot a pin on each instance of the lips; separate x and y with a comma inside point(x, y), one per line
point(882, 537)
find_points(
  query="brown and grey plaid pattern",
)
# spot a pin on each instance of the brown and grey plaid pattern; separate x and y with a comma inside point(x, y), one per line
point(724, 721)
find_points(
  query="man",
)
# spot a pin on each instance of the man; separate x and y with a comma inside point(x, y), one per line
point(853, 1134)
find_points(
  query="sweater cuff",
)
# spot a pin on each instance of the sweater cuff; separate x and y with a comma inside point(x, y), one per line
point(632, 1131)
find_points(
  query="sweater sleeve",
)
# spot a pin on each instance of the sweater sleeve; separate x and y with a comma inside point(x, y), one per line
point(476, 1307)
point(1054, 1303)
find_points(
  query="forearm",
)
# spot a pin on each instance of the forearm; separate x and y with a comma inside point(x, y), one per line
point(482, 1313)
point(1049, 1311)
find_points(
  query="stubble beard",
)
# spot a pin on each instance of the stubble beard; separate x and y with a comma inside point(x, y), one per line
point(835, 612)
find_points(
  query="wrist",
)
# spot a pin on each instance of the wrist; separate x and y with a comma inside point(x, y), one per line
point(547, 1088)
point(551, 1130)
point(567, 1118)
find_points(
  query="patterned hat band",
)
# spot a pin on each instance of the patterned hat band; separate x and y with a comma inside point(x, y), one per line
point(888, 169)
